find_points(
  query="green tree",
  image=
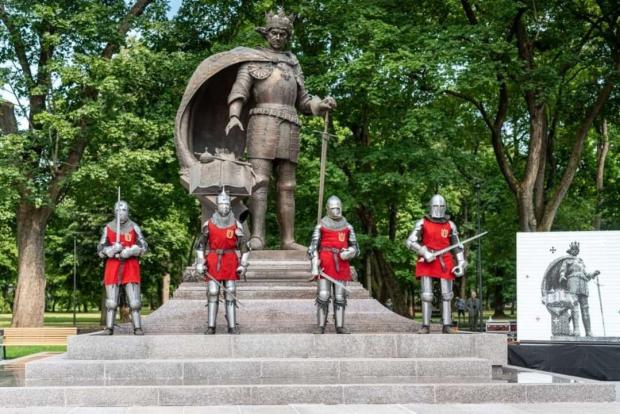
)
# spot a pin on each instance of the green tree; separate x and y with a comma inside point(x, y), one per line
point(61, 50)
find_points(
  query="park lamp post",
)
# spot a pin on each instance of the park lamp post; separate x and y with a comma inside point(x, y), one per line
point(479, 256)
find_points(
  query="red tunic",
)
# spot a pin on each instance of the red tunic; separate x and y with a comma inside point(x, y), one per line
point(222, 239)
point(334, 239)
point(436, 236)
point(131, 266)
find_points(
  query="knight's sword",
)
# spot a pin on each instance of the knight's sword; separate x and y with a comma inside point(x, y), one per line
point(454, 246)
point(210, 276)
point(335, 282)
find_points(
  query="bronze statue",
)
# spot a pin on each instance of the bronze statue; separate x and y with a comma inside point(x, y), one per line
point(259, 90)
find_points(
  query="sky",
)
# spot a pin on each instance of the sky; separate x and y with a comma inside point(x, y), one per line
point(174, 7)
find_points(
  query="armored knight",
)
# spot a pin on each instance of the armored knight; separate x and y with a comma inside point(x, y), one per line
point(432, 233)
point(573, 273)
point(217, 258)
point(333, 244)
point(274, 82)
point(121, 244)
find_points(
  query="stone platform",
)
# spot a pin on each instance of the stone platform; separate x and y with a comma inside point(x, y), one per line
point(276, 361)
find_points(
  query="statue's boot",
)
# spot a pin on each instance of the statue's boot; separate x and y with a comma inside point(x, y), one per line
point(286, 206)
point(258, 202)
point(424, 329)
point(448, 329)
point(585, 315)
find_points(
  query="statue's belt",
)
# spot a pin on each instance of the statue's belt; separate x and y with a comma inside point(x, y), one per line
point(220, 253)
point(285, 112)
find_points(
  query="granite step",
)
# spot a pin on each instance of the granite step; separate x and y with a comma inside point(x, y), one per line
point(180, 316)
point(60, 371)
point(282, 394)
point(170, 347)
point(254, 290)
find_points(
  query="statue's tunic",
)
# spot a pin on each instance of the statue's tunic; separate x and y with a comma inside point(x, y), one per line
point(277, 87)
point(332, 242)
point(130, 267)
point(221, 260)
point(574, 271)
point(436, 235)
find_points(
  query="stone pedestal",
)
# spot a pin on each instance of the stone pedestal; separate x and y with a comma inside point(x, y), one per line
point(276, 360)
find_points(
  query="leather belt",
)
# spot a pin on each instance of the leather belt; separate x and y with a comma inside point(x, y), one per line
point(334, 253)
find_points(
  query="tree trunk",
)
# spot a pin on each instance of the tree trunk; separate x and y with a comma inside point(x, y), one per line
point(498, 303)
point(29, 306)
point(165, 289)
point(602, 148)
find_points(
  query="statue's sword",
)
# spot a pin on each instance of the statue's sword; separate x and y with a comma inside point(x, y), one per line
point(454, 246)
point(600, 302)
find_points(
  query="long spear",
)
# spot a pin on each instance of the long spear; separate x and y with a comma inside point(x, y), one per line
point(600, 302)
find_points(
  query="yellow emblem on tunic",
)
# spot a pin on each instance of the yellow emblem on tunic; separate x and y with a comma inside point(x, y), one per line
point(342, 236)
point(127, 237)
point(230, 234)
point(444, 233)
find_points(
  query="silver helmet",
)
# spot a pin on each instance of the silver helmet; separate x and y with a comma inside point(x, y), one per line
point(437, 206)
point(121, 209)
point(223, 203)
point(334, 208)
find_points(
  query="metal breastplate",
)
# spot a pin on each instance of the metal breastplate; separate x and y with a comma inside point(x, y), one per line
point(223, 222)
point(280, 87)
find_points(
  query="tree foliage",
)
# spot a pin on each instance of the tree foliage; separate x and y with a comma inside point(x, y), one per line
point(432, 96)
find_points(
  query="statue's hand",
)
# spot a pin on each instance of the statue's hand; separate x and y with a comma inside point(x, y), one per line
point(595, 274)
point(327, 104)
point(233, 122)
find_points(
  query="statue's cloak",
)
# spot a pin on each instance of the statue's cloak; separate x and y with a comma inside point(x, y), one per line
point(203, 113)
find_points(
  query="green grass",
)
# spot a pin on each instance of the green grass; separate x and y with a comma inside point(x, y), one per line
point(90, 319)
point(13, 352)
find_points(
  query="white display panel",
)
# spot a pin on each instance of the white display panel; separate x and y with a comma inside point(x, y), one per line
point(544, 253)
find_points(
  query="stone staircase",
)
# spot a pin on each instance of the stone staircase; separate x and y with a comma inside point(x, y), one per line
point(277, 361)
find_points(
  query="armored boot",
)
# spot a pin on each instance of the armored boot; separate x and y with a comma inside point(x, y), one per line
point(321, 315)
point(111, 302)
point(213, 293)
point(133, 295)
point(446, 306)
point(340, 304)
point(425, 329)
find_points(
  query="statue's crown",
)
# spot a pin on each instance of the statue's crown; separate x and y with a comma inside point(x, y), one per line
point(280, 20)
point(574, 245)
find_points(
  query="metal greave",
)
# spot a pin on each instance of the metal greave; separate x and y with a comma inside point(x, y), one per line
point(426, 295)
point(340, 303)
point(323, 295)
point(231, 305)
point(446, 302)
point(213, 294)
point(111, 303)
point(132, 290)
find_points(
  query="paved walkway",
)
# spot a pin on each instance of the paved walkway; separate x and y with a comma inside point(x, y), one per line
point(551, 408)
